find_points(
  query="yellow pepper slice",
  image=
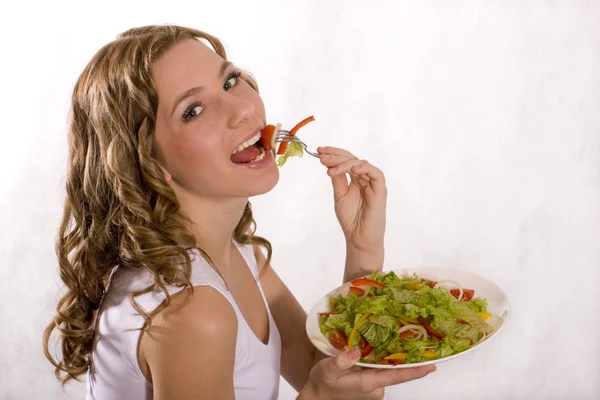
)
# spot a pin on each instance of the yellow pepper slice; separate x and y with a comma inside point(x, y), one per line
point(414, 286)
point(408, 320)
point(429, 354)
point(397, 356)
point(484, 315)
point(331, 303)
point(355, 328)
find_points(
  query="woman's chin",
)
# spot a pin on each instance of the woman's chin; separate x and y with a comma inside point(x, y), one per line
point(264, 184)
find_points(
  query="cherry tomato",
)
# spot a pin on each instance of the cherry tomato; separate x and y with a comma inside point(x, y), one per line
point(338, 339)
point(365, 347)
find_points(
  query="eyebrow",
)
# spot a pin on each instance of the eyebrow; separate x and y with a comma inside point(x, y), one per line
point(198, 89)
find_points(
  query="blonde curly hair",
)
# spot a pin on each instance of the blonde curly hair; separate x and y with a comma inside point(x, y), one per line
point(119, 210)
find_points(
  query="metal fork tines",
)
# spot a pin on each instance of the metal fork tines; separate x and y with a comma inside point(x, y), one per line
point(284, 136)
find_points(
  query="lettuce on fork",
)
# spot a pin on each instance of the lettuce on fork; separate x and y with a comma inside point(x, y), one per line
point(294, 150)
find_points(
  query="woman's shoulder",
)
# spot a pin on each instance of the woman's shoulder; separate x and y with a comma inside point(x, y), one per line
point(196, 329)
point(140, 282)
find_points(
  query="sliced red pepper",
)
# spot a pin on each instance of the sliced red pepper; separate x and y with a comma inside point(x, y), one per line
point(367, 282)
point(462, 321)
point(429, 329)
point(284, 145)
point(357, 290)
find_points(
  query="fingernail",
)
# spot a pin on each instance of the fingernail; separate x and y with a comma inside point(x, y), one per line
point(354, 353)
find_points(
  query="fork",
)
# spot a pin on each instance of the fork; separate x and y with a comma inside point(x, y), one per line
point(285, 137)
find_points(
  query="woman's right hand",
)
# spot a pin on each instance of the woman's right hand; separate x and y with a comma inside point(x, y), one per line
point(338, 378)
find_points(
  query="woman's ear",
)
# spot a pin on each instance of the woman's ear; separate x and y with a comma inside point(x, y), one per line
point(166, 174)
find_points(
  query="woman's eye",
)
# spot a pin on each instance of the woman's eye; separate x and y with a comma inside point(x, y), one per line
point(232, 81)
point(193, 111)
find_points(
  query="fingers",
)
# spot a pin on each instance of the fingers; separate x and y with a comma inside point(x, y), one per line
point(362, 169)
point(344, 167)
point(338, 177)
point(334, 367)
point(373, 379)
point(340, 186)
point(372, 174)
point(340, 162)
point(334, 151)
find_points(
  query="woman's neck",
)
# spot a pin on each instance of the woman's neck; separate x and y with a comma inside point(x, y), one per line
point(213, 222)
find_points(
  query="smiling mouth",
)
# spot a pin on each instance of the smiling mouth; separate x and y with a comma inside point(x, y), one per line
point(249, 151)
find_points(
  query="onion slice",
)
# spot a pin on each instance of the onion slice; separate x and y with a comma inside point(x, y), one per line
point(421, 332)
point(274, 137)
point(451, 282)
point(483, 337)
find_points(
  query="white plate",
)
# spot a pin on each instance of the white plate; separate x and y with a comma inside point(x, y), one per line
point(498, 306)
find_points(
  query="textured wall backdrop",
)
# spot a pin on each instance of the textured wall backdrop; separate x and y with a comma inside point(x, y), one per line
point(484, 115)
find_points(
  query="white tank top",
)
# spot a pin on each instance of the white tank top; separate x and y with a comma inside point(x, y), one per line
point(114, 372)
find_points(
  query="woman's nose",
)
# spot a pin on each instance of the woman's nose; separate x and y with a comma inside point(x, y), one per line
point(239, 110)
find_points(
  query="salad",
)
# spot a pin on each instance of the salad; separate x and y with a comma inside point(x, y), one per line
point(286, 149)
point(405, 319)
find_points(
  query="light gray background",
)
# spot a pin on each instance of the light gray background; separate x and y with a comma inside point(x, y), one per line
point(484, 115)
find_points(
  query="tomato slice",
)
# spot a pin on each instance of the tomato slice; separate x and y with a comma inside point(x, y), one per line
point(391, 362)
point(357, 290)
point(338, 339)
point(467, 294)
point(407, 335)
point(431, 283)
point(284, 145)
point(367, 282)
point(365, 347)
point(266, 137)
point(327, 314)
point(429, 329)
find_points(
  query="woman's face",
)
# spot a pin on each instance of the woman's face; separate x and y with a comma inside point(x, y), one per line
point(205, 113)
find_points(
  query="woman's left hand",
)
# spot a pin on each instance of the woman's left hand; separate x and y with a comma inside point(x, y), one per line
point(360, 205)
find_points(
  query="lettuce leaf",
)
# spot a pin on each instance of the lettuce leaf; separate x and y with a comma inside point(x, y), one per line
point(376, 335)
point(324, 328)
point(343, 322)
point(341, 303)
point(461, 309)
point(384, 320)
point(294, 149)
point(478, 304)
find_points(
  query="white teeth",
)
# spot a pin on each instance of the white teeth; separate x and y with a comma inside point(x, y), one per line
point(260, 156)
point(248, 143)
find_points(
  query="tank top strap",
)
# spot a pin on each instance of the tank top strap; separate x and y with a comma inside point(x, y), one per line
point(247, 252)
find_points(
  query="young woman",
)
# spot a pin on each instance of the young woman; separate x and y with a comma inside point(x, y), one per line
point(170, 295)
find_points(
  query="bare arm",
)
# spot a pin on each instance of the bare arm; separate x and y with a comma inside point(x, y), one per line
point(190, 347)
point(361, 262)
